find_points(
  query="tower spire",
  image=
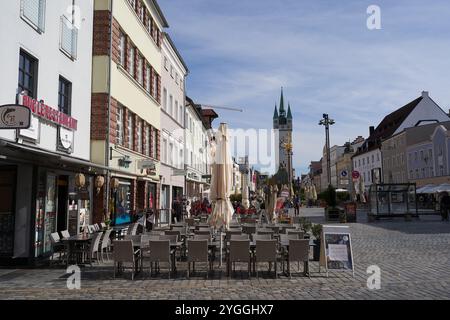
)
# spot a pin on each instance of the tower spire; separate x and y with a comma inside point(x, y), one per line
point(289, 114)
point(275, 113)
point(282, 111)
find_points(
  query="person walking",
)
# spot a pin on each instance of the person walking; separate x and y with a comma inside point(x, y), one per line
point(445, 206)
point(297, 204)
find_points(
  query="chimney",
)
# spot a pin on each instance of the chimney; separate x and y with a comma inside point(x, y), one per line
point(425, 94)
point(371, 130)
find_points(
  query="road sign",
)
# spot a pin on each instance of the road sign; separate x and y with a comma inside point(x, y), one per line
point(13, 116)
point(344, 173)
point(355, 174)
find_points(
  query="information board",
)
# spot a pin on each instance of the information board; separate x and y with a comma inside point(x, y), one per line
point(336, 249)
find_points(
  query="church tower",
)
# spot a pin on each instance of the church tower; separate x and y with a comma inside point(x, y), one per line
point(282, 125)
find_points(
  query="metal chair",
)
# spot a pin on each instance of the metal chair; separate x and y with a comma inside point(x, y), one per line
point(266, 251)
point(298, 251)
point(289, 236)
point(249, 229)
point(57, 246)
point(288, 228)
point(265, 231)
point(65, 234)
point(239, 251)
point(124, 253)
point(197, 251)
point(173, 232)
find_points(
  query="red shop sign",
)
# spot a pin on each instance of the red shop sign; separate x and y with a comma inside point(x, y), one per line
point(44, 111)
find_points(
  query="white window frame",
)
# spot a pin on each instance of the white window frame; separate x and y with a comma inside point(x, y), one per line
point(139, 136)
point(68, 26)
point(119, 125)
point(38, 25)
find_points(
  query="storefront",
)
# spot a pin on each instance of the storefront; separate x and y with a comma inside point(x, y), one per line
point(121, 202)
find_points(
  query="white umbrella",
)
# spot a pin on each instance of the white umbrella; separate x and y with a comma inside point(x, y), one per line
point(314, 193)
point(221, 181)
point(341, 190)
point(245, 195)
point(272, 203)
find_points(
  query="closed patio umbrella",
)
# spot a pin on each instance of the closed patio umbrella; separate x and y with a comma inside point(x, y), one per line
point(221, 181)
point(314, 193)
point(245, 193)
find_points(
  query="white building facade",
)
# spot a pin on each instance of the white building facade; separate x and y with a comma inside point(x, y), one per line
point(46, 63)
point(173, 79)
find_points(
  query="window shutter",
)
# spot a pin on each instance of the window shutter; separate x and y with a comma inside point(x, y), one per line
point(69, 37)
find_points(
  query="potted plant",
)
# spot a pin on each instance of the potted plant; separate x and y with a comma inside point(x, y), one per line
point(305, 225)
point(316, 230)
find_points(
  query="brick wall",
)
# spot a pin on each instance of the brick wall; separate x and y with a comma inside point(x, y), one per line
point(101, 35)
point(99, 110)
point(116, 42)
point(133, 191)
point(158, 145)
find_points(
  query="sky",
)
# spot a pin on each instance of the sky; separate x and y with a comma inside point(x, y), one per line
point(241, 52)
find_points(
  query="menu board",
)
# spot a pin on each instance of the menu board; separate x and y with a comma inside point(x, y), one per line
point(336, 249)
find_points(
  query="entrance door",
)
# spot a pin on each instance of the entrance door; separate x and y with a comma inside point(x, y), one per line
point(7, 210)
point(63, 198)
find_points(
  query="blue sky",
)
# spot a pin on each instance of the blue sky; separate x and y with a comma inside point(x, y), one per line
point(241, 52)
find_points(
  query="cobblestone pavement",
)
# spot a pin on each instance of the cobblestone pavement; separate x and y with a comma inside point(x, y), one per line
point(413, 257)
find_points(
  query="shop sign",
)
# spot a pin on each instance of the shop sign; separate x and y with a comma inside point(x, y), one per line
point(33, 131)
point(48, 113)
point(14, 117)
point(65, 139)
point(146, 165)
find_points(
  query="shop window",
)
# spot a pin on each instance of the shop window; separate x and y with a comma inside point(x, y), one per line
point(28, 69)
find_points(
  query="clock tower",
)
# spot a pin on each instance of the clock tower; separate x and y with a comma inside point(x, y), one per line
point(282, 125)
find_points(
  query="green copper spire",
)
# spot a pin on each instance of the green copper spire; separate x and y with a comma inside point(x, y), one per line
point(275, 114)
point(289, 115)
point(282, 111)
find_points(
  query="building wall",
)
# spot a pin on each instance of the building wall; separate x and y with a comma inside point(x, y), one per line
point(394, 159)
point(52, 63)
point(365, 163)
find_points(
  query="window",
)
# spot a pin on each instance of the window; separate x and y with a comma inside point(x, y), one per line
point(170, 105)
point(181, 114)
point(359, 162)
point(148, 72)
point(147, 139)
point(33, 12)
point(166, 63)
point(69, 38)
point(122, 48)
point(417, 173)
point(171, 71)
point(142, 12)
point(176, 78)
point(130, 131)
point(364, 161)
point(150, 23)
point(119, 126)
point(423, 172)
point(140, 70)
point(415, 156)
point(131, 60)
point(64, 96)
point(165, 99)
point(378, 157)
point(164, 150)
point(132, 3)
point(171, 154)
point(28, 67)
point(411, 174)
point(156, 85)
point(139, 136)
point(155, 143)
point(181, 84)
point(175, 116)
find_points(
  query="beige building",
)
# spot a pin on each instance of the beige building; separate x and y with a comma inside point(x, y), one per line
point(126, 99)
point(393, 154)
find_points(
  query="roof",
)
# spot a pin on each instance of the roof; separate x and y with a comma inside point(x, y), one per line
point(275, 113)
point(172, 44)
point(289, 115)
point(423, 133)
point(388, 126)
point(160, 13)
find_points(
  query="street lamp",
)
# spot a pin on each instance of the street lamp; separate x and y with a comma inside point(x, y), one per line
point(327, 122)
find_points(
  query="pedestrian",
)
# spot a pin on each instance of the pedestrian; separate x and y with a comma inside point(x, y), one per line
point(445, 206)
point(297, 204)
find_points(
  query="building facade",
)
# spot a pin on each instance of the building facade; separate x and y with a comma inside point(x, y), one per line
point(126, 100)
point(46, 65)
point(174, 74)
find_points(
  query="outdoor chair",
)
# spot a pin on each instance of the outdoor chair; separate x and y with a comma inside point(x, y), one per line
point(249, 229)
point(105, 246)
point(202, 237)
point(159, 251)
point(197, 251)
point(275, 229)
point(239, 237)
point(239, 251)
point(231, 232)
point(134, 238)
point(290, 236)
point(202, 232)
point(266, 251)
point(286, 229)
point(190, 222)
point(65, 234)
point(93, 247)
point(264, 231)
point(124, 253)
point(173, 232)
point(298, 252)
point(132, 229)
point(57, 247)
point(155, 233)
point(301, 234)
point(267, 236)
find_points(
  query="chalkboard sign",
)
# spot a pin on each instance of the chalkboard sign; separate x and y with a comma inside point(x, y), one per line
point(336, 249)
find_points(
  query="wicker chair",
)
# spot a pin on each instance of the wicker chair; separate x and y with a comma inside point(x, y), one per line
point(94, 246)
point(266, 251)
point(197, 251)
point(159, 252)
point(298, 252)
point(239, 251)
point(105, 246)
point(124, 253)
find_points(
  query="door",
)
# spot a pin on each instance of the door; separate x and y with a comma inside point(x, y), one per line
point(7, 210)
point(63, 201)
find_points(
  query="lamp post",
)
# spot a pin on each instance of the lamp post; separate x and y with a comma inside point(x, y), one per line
point(327, 122)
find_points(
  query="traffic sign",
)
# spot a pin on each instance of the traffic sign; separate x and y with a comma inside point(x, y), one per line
point(13, 116)
point(344, 173)
point(355, 174)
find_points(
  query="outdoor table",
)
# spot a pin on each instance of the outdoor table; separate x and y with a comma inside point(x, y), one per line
point(72, 241)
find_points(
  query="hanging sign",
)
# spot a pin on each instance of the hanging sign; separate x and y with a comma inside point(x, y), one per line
point(14, 117)
point(336, 249)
